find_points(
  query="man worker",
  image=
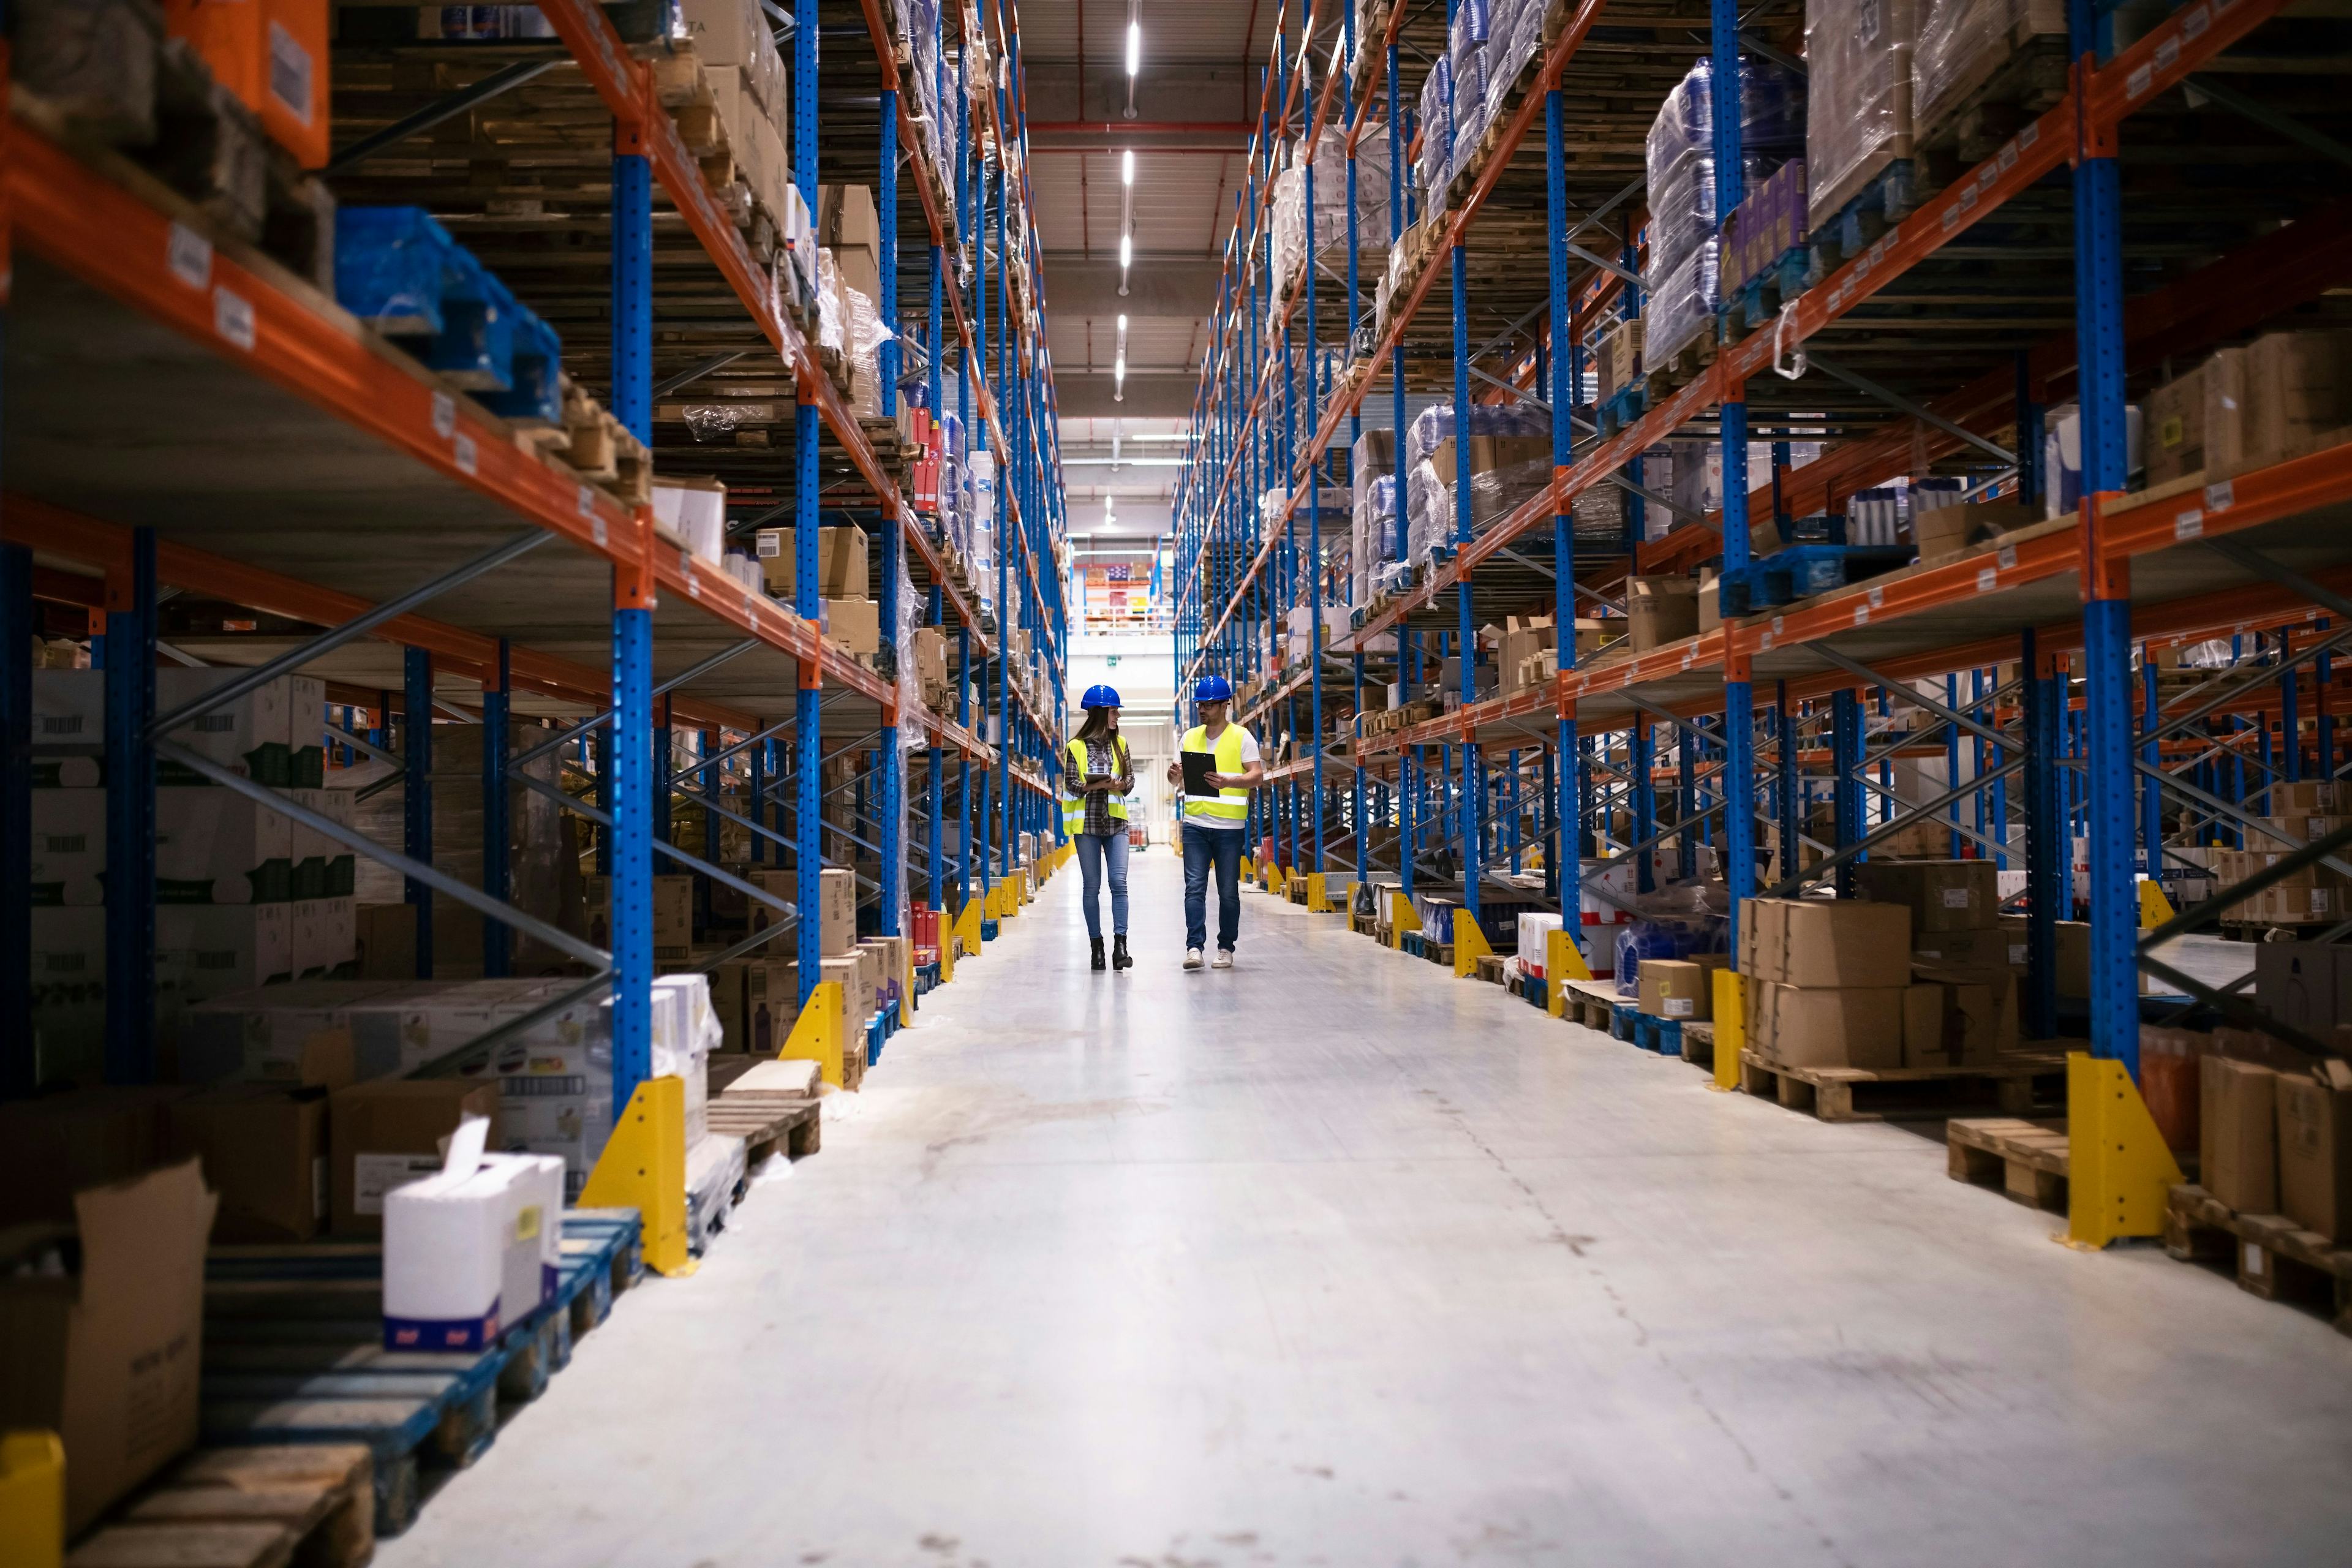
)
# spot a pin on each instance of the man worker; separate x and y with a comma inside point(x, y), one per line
point(1215, 824)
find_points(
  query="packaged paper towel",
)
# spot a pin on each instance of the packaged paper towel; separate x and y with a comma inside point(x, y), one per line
point(473, 1249)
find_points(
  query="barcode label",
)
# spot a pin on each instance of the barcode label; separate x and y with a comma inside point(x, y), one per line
point(233, 317)
point(445, 415)
point(289, 72)
point(463, 448)
point(191, 256)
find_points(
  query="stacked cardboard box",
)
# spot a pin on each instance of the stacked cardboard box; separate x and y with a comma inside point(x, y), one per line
point(1826, 981)
point(1662, 610)
point(2285, 394)
point(1680, 990)
point(2303, 813)
point(2279, 1141)
point(1962, 1006)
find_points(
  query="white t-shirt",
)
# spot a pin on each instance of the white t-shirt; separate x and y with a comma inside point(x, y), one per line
point(1249, 754)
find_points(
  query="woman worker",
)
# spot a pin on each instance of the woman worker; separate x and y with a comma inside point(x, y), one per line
point(1099, 774)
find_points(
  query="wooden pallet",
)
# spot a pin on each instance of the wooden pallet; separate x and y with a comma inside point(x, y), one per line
point(768, 1123)
point(1904, 1094)
point(2026, 1160)
point(1490, 968)
point(2012, 85)
point(1686, 365)
point(294, 1354)
point(2274, 1258)
point(305, 1503)
point(1590, 1003)
point(1698, 1044)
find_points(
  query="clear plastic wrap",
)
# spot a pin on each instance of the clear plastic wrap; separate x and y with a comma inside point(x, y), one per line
point(1435, 426)
point(1681, 205)
point(1771, 116)
point(1962, 42)
point(830, 327)
point(1495, 494)
point(1682, 301)
point(1858, 113)
point(1436, 112)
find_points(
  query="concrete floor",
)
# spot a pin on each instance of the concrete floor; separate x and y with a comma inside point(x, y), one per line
point(1334, 1259)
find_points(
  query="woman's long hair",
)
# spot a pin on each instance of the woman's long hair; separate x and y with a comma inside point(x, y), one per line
point(1098, 726)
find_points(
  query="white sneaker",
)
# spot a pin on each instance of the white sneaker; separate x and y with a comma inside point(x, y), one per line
point(1191, 958)
point(1224, 959)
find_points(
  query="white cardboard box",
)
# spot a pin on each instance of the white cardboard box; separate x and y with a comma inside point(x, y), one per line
point(473, 1249)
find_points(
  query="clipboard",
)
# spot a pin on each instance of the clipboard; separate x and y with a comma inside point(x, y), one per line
point(1198, 766)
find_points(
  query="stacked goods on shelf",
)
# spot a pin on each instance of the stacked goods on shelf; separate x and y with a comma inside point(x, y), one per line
point(2282, 395)
point(1467, 52)
point(915, 26)
point(542, 876)
point(1982, 66)
point(1660, 610)
point(1372, 517)
point(547, 1084)
point(1961, 1010)
point(243, 895)
point(1826, 981)
point(224, 112)
point(693, 512)
point(1858, 108)
point(1760, 239)
point(1508, 460)
point(850, 617)
point(1330, 204)
point(750, 90)
point(1681, 275)
point(1435, 116)
point(1618, 364)
point(2304, 812)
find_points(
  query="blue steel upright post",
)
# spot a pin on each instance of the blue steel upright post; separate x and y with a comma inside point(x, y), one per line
point(2107, 609)
point(631, 794)
point(808, 696)
point(416, 792)
point(1738, 692)
point(1566, 805)
point(497, 836)
point(130, 893)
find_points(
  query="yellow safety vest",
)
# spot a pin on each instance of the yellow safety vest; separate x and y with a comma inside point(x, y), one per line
point(1074, 805)
point(1228, 804)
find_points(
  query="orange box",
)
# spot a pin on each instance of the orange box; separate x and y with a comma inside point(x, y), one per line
point(273, 55)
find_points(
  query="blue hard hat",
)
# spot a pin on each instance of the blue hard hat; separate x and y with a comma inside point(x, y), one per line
point(1212, 689)
point(1100, 697)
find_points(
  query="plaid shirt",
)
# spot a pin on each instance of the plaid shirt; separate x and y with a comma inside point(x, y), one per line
point(1105, 757)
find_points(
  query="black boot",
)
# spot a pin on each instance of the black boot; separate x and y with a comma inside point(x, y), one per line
point(1098, 957)
point(1118, 956)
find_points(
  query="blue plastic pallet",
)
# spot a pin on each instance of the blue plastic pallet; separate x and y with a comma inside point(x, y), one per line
point(399, 271)
point(1891, 196)
point(1756, 302)
point(1622, 407)
point(1622, 1021)
point(294, 1353)
point(988, 931)
point(1801, 571)
point(1664, 1036)
point(1533, 989)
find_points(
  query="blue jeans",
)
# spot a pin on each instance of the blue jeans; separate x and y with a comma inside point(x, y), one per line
point(1205, 848)
point(1094, 849)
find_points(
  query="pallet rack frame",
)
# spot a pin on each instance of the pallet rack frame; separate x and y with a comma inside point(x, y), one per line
point(98, 225)
point(1231, 565)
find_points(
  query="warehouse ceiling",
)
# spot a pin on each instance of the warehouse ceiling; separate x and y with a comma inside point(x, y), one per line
point(1192, 100)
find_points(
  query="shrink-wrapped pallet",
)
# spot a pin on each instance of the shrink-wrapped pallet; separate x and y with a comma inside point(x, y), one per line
point(1964, 44)
point(1859, 103)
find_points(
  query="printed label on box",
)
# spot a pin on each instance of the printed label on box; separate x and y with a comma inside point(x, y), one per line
point(1678, 1006)
point(373, 1176)
point(1956, 898)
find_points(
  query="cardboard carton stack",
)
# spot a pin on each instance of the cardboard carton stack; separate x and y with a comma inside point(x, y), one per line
point(1827, 980)
point(244, 896)
point(2285, 394)
point(2302, 812)
point(1662, 610)
point(2279, 1140)
point(850, 617)
point(1961, 1007)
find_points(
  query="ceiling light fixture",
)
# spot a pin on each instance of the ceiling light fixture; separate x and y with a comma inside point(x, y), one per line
point(1134, 51)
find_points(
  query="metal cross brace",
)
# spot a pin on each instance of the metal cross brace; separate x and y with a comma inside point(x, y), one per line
point(1837, 858)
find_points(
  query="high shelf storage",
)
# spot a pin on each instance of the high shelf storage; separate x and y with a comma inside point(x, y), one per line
point(309, 494)
point(2020, 209)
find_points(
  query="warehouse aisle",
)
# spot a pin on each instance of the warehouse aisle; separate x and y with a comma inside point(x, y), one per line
point(1334, 1259)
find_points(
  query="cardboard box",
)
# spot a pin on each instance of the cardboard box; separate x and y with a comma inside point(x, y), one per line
point(1950, 1021)
point(2074, 953)
point(2302, 984)
point(2238, 1136)
point(1677, 989)
point(2195, 422)
point(1826, 942)
point(1618, 363)
point(383, 1134)
point(840, 568)
point(472, 1249)
point(59, 1144)
point(1942, 895)
point(1662, 610)
point(1944, 531)
point(264, 1154)
point(673, 914)
point(2307, 797)
point(855, 623)
point(2315, 1149)
point(386, 941)
point(105, 1350)
point(1841, 1025)
point(837, 900)
point(272, 53)
point(847, 220)
point(2298, 393)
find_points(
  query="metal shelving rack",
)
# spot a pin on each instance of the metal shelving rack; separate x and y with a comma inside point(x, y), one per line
point(305, 470)
point(1969, 315)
